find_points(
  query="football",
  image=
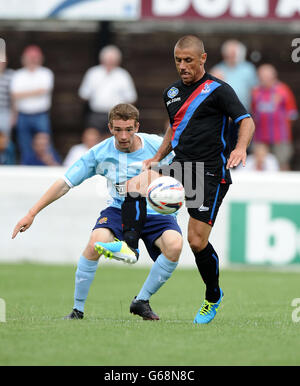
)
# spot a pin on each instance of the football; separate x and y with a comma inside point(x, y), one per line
point(165, 195)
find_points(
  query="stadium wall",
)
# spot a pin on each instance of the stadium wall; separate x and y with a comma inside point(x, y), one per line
point(258, 223)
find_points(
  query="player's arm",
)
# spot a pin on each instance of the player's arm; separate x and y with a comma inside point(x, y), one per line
point(57, 190)
point(239, 154)
point(164, 149)
point(231, 106)
point(82, 169)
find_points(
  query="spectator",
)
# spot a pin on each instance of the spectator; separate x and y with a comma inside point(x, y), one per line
point(239, 74)
point(274, 108)
point(6, 108)
point(43, 152)
point(260, 160)
point(31, 90)
point(215, 71)
point(90, 138)
point(104, 86)
point(7, 150)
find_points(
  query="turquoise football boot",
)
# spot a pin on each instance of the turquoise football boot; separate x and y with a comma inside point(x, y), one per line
point(208, 311)
point(118, 250)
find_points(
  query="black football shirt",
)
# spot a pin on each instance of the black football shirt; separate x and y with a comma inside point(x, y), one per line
point(199, 115)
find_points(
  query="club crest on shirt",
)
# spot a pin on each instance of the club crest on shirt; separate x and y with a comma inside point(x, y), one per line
point(173, 92)
point(206, 89)
point(103, 220)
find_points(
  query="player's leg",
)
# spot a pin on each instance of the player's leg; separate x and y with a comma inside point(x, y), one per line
point(165, 251)
point(111, 218)
point(170, 245)
point(206, 258)
point(207, 262)
point(86, 270)
point(134, 210)
point(133, 218)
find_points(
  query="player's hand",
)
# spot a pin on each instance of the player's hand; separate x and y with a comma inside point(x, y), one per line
point(236, 157)
point(148, 163)
point(23, 225)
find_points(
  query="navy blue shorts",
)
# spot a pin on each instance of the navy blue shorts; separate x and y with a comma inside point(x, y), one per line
point(111, 218)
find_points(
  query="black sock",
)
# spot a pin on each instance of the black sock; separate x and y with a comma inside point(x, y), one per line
point(208, 265)
point(134, 213)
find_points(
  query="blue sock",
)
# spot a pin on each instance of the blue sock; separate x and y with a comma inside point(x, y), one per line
point(84, 276)
point(160, 272)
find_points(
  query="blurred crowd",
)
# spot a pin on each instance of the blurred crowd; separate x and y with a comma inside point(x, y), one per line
point(26, 99)
point(271, 103)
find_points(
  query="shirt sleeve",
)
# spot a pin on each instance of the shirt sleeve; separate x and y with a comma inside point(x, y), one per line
point(81, 170)
point(85, 88)
point(158, 141)
point(230, 104)
point(291, 105)
point(129, 91)
point(165, 103)
point(49, 83)
point(168, 159)
point(46, 79)
point(14, 85)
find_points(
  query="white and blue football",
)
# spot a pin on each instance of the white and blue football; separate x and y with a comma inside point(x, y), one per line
point(165, 195)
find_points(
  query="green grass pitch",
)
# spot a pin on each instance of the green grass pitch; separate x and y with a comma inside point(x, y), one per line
point(254, 324)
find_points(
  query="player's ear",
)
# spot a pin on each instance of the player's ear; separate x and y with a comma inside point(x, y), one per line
point(110, 128)
point(137, 126)
point(203, 57)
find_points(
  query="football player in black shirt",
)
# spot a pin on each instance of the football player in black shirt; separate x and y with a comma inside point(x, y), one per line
point(199, 107)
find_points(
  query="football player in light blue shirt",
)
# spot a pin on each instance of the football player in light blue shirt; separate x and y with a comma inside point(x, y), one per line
point(119, 158)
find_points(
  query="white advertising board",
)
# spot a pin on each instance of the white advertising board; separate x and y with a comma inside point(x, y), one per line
point(70, 9)
point(258, 222)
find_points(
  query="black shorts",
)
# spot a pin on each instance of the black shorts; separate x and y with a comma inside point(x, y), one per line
point(205, 188)
point(214, 192)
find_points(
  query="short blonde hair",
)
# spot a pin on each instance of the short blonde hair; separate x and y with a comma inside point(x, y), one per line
point(125, 112)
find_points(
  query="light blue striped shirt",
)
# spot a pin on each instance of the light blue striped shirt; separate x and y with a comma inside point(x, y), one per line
point(116, 166)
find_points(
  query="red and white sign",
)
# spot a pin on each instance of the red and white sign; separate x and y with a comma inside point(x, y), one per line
point(221, 9)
